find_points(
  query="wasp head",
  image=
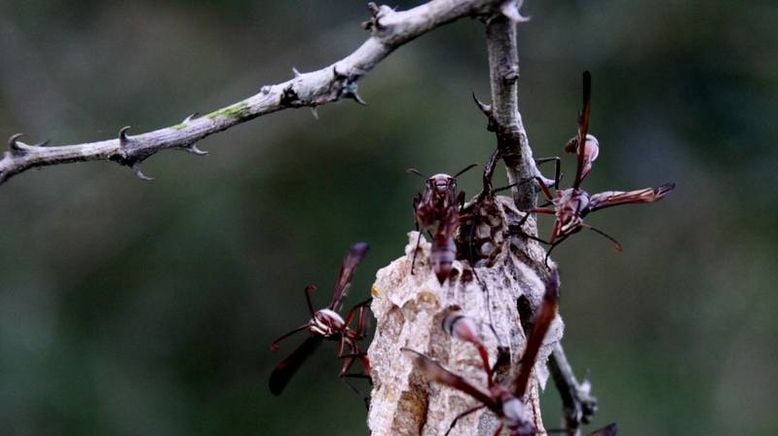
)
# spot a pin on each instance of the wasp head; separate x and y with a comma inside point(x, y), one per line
point(441, 185)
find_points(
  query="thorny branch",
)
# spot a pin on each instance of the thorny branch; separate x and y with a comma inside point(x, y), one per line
point(505, 119)
point(389, 29)
point(578, 403)
point(408, 307)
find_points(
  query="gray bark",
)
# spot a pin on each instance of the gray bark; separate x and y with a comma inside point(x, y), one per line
point(389, 30)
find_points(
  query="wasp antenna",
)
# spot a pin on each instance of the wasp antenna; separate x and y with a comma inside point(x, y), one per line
point(415, 171)
point(466, 169)
point(505, 188)
point(616, 243)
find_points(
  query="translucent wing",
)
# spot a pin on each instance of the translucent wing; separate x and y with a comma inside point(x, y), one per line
point(435, 372)
point(615, 198)
point(583, 127)
point(350, 262)
point(609, 430)
point(285, 369)
point(543, 320)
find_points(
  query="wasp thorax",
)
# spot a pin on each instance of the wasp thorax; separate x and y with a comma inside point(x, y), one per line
point(567, 222)
point(571, 202)
point(326, 322)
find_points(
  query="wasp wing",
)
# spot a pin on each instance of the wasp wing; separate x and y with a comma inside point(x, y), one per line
point(545, 316)
point(609, 430)
point(583, 128)
point(354, 255)
point(615, 198)
point(286, 368)
point(435, 372)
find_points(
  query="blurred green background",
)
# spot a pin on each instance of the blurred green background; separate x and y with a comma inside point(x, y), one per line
point(133, 308)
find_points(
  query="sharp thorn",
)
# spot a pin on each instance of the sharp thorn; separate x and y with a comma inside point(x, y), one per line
point(337, 74)
point(191, 117)
point(510, 9)
point(196, 151)
point(139, 173)
point(123, 138)
point(13, 142)
point(296, 73)
point(356, 98)
point(485, 108)
point(315, 112)
point(18, 146)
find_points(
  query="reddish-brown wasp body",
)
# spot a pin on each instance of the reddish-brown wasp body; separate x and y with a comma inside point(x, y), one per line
point(437, 210)
point(571, 205)
point(328, 324)
point(459, 326)
point(504, 402)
